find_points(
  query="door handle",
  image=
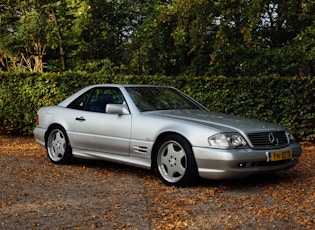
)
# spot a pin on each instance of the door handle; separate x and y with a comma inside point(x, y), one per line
point(80, 119)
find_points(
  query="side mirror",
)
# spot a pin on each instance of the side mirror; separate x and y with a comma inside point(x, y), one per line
point(119, 109)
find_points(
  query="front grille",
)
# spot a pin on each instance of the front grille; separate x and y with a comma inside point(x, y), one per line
point(268, 140)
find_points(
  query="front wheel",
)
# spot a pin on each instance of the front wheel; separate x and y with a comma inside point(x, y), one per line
point(58, 147)
point(175, 162)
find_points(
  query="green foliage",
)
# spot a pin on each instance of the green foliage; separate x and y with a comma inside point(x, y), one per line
point(230, 38)
point(179, 37)
point(287, 101)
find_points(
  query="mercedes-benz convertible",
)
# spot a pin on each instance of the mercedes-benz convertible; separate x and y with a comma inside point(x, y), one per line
point(161, 128)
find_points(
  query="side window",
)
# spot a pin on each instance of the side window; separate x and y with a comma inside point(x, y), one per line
point(102, 96)
point(80, 102)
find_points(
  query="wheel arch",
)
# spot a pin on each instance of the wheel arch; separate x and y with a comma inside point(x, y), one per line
point(155, 145)
point(51, 127)
point(188, 175)
point(59, 152)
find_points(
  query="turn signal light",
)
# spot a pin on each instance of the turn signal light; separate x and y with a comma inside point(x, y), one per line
point(37, 120)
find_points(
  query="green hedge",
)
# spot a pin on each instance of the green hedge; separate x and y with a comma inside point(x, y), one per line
point(288, 101)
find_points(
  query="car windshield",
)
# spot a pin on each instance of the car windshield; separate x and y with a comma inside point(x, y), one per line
point(160, 98)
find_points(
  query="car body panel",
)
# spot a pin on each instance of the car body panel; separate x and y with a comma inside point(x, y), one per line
point(222, 164)
point(101, 132)
point(130, 137)
point(211, 123)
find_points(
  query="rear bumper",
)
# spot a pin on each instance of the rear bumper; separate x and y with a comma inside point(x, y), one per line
point(39, 134)
point(220, 164)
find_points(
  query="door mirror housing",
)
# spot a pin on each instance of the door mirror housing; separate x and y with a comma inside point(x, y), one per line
point(120, 109)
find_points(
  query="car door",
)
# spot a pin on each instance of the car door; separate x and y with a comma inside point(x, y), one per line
point(94, 130)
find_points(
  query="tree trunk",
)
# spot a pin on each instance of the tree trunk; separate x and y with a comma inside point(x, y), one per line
point(61, 48)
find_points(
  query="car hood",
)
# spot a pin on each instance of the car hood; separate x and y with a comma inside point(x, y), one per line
point(219, 121)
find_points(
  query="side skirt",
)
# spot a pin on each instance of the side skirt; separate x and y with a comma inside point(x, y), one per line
point(121, 159)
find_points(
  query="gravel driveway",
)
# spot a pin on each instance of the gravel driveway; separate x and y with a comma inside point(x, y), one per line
point(36, 194)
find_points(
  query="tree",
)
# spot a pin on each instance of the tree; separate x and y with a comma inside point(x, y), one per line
point(65, 22)
point(110, 25)
point(173, 38)
point(22, 44)
point(231, 38)
point(260, 37)
point(305, 41)
point(192, 37)
point(28, 27)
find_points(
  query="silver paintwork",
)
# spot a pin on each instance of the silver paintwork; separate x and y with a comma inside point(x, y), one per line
point(126, 135)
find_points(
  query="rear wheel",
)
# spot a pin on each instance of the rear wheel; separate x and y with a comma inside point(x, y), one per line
point(58, 146)
point(175, 162)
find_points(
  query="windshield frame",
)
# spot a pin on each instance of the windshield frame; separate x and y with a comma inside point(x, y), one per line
point(159, 98)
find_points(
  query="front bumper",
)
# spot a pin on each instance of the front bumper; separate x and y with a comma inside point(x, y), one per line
point(220, 164)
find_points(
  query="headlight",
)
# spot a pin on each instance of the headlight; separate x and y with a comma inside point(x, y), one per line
point(227, 140)
point(290, 136)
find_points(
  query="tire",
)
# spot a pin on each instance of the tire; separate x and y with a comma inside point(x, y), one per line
point(175, 162)
point(58, 146)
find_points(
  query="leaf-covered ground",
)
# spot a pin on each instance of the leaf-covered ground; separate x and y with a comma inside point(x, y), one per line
point(36, 194)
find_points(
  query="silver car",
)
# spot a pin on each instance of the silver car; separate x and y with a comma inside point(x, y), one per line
point(161, 128)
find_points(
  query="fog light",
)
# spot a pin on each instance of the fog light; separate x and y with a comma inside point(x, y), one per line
point(242, 165)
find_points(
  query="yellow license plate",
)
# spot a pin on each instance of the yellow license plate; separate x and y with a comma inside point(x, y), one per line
point(281, 155)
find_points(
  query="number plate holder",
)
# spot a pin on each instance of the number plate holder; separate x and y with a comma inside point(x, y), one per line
point(279, 155)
